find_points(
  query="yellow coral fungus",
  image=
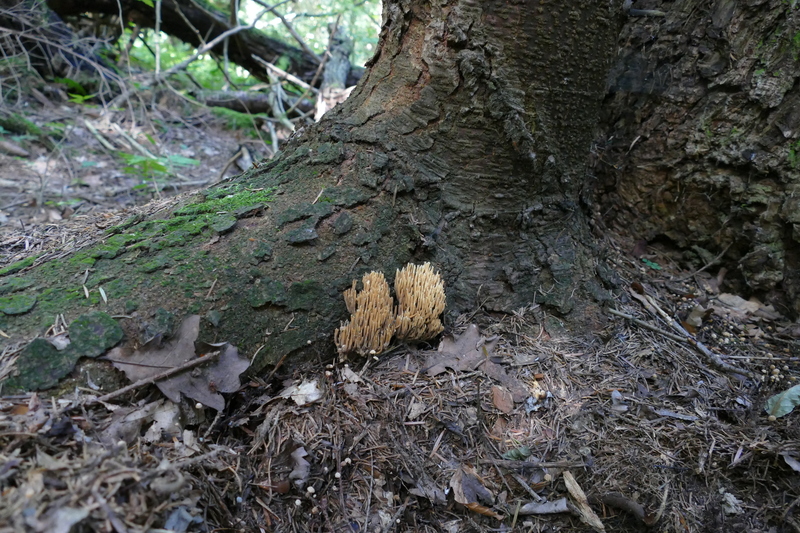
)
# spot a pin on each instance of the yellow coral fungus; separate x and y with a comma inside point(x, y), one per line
point(371, 323)
point(420, 296)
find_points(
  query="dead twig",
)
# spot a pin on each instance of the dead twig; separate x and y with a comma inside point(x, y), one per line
point(651, 327)
point(686, 337)
point(292, 31)
point(158, 377)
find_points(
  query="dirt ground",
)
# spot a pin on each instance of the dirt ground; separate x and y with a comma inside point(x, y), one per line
point(656, 424)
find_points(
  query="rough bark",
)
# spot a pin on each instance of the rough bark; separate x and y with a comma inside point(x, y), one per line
point(704, 128)
point(465, 144)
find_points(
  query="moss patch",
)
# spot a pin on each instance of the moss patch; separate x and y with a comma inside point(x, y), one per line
point(347, 196)
point(17, 304)
point(41, 365)
point(305, 295)
point(227, 200)
point(92, 334)
point(7, 286)
point(19, 265)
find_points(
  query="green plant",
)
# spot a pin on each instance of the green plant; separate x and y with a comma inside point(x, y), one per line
point(793, 156)
point(148, 168)
point(235, 120)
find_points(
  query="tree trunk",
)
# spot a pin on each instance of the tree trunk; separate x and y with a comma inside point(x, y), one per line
point(704, 113)
point(465, 144)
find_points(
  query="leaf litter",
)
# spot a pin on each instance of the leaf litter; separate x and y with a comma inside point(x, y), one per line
point(203, 384)
point(621, 431)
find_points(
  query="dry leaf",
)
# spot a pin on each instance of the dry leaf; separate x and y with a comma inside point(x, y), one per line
point(203, 384)
point(63, 519)
point(467, 488)
point(469, 351)
point(731, 505)
point(793, 463)
point(305, 392)
point(349, 375)
point(585, 512)
point(556, 506)
point(496, 372)
point(739, 303)
point(301, 467)
point(502, 400)
point(482, 509)
point(696, 316)
point(126, 422)
point(166, 419)
point(416, 409)
point(463, 353)
point(618, 402)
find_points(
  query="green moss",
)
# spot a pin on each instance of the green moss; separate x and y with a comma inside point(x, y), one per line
point(130, 222)
point(267, 292)
point(113, 246)
point(100, 280)
point(83, 260)
point(305, 210)
point(262, 252)
point(17, 304)
point(230, 202)
point(17, 284)
point(92, 334)
point(223, 223)
point(305, 295)
point(348, 196)
point(19, 265)
point(160, 262)
point(41, 366)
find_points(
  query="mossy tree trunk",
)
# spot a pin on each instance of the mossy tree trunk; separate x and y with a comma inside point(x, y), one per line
point(465, 144)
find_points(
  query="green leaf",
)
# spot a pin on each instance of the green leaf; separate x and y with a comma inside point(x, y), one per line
point(148, 3)
point(183, 161)
point(517, 454)
point(783, 403)
point(654, 266)
point(73, 85)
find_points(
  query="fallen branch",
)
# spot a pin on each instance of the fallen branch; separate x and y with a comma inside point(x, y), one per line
point(684, 337)
point(291, 29)
point(285, 75)
point(158, 377)
point(189, 60)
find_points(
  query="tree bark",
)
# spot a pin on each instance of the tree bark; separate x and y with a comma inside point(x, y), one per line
point(465, 145)
point(703, 129)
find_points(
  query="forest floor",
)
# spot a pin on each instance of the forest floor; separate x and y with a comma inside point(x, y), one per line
point(518, 424)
